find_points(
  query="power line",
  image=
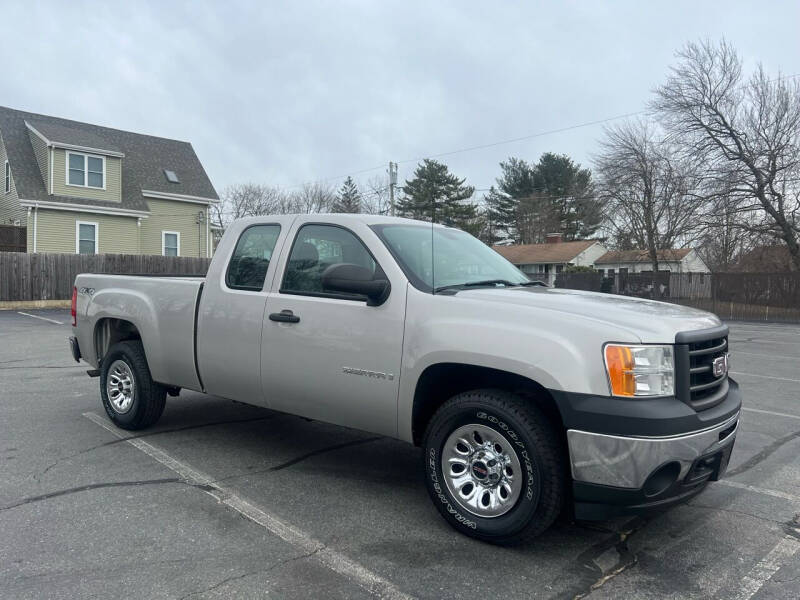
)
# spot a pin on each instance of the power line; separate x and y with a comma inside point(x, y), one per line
point(524, 137)
point(472, 148)
point(494, 144)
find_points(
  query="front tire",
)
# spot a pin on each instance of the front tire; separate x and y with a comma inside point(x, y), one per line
point(494, 466)
point(132, 400)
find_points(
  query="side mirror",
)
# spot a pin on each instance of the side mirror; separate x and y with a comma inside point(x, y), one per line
point(354, 279)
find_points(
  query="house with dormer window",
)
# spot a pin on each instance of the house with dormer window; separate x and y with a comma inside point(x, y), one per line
point(85, 189)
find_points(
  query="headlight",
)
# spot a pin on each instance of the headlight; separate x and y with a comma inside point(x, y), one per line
point(640, 370)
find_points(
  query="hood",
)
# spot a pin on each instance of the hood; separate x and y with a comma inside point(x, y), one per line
point(651, 321)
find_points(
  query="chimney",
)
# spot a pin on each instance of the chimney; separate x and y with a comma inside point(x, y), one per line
point(553, 238)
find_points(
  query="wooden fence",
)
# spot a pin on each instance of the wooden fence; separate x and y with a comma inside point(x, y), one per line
point(732, 296)
point(13, 238)
point(50, 276)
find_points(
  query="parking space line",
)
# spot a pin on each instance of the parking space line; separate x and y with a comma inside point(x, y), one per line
point(765, 376)
point(759, 490)
point(19, 312)
point(766, 568)
point(332, 559)
point(771, 412)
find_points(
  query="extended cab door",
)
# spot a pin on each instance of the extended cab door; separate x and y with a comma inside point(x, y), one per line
point(330, 356)
point(231, 308)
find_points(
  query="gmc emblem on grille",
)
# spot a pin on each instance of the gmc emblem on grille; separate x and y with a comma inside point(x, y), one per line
point(720, 365)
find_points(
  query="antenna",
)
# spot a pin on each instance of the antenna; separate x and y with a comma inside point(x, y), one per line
point(433, 259)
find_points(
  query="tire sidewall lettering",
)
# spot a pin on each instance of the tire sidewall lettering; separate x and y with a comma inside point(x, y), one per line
point(434, 476)
point(516, 441)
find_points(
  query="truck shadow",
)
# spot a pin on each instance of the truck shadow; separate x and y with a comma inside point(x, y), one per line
point(256, 451)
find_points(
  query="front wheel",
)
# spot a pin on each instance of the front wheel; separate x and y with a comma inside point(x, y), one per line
point(494, 466)
point(131, 398)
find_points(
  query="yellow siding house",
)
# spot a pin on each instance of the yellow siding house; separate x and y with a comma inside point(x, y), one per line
point(82, 188)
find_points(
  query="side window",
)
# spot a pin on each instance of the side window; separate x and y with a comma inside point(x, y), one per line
point(317, 247)
point(250, 260)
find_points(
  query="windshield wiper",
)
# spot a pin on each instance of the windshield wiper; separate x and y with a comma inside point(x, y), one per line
point(486, 282)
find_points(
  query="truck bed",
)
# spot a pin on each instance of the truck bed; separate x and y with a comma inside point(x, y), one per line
point(162, 308)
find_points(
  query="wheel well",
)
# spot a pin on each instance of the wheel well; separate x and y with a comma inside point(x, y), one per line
point(440, 382)
point(109, 331)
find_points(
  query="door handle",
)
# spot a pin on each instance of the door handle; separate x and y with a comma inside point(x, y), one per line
point(285, 316)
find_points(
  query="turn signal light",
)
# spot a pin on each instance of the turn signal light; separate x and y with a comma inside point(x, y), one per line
point(646, 370)
point(619, 363)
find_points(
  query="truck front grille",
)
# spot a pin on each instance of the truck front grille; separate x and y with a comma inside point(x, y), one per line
point(695, 353)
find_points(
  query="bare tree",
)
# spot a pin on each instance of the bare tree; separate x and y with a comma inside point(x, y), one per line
point(375, 200)
point(746, 132)
point(313, 198)
point(250, 199)
point(646, 188)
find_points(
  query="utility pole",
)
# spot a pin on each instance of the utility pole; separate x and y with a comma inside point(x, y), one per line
point(392, 184)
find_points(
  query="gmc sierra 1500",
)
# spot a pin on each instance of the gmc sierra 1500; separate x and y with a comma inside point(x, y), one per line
point(524, 398)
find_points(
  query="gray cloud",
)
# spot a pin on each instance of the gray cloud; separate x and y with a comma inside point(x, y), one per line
point(283, 93)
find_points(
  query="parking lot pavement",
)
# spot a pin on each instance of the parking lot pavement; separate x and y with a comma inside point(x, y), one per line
point(222, 500)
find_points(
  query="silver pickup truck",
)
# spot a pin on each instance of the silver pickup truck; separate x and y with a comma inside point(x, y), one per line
point(525, 399)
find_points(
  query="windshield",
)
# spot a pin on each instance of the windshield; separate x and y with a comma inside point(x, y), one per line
point(457, 259)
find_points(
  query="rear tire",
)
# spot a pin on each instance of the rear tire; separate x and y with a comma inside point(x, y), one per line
point(494, 466)
point(131, 399)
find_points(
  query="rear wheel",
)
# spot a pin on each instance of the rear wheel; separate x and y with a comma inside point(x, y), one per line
point(494, 466)
point(132, 400)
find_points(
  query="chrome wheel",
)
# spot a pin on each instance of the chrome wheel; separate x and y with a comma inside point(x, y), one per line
point(120, 386)
point(482, 470)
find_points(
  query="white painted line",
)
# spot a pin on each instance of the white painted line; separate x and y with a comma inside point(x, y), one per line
point(766, 568)
point(737, 353)
point(765, 376)
point(771, 412)
point(19, 312)
point(332, 559)
point(759, 490)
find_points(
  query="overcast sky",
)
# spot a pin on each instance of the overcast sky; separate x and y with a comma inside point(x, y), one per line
point(283, 93)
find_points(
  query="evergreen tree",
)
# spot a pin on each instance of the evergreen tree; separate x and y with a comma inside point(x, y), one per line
point(435, 194)
point(500, 215)
point(571, 193)
point(348, 200)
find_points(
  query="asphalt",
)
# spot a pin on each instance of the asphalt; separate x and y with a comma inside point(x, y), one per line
point(336, 513)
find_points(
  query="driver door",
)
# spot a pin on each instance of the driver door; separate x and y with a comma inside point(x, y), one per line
point(329, 356)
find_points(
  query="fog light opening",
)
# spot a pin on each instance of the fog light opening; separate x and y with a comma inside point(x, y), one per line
point(661, 479)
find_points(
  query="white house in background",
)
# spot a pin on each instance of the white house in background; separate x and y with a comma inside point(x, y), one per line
point(684, 260)
point(544, 261)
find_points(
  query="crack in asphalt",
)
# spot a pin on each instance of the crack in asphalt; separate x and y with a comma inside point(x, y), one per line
point(92, 486)
point(763, 455)
point(303, 457)
point(61, 459)
point(271, 567)
point(294, 461)
point(586, 574)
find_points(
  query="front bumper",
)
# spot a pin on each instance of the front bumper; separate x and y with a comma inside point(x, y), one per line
point(614, 475)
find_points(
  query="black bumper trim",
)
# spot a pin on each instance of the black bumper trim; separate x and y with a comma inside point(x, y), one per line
point(595, 502)
point(641, 416)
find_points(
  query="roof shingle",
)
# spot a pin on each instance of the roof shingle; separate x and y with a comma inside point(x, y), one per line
point(531, 254)
point(146, 157)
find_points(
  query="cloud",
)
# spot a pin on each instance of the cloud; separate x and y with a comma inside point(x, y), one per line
point(286, 93)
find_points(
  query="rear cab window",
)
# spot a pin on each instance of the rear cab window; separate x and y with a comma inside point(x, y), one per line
point(249, 262)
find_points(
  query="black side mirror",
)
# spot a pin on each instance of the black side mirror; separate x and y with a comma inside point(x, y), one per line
point(354, 279)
